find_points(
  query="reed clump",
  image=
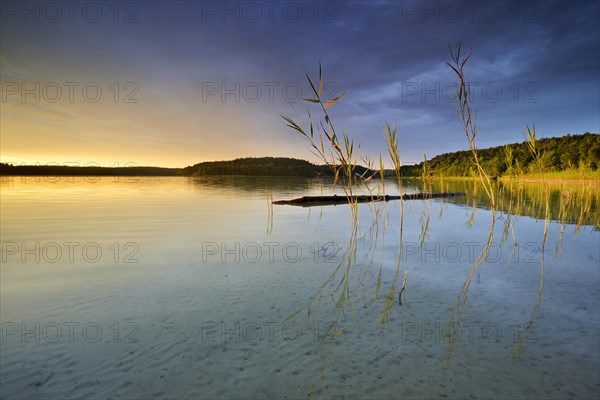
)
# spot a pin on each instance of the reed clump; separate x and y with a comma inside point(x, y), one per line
point(348, 279)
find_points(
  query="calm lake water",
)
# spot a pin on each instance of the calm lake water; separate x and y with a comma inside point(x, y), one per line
point(180, 287)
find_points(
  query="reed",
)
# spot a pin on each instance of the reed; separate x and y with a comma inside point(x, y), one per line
point(466, 114)
point(342, 157)
point(391, 137)
point(468, 119)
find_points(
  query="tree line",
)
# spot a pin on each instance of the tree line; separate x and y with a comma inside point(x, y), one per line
point(258, 166)
point(63, 170)
point(570, 152)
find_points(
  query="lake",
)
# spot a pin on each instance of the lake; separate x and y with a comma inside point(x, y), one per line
point(177, 287)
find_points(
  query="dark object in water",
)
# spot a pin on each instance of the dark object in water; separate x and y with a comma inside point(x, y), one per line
point(309, 201)
point(400, 296)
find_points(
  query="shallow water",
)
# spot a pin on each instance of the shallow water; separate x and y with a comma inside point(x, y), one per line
point(180, 288)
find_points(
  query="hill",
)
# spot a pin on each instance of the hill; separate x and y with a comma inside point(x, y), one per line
point(559, 154)
point(263, 166)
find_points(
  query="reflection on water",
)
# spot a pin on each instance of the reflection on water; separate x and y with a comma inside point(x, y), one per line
point(173, 288)
point(575, 203)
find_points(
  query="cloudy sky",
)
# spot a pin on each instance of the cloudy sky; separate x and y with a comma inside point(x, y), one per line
point(173, 83)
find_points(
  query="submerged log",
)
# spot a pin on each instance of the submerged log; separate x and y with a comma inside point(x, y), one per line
point(309, 201)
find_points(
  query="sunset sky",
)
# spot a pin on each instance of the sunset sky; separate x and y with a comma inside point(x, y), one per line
point(188, 81)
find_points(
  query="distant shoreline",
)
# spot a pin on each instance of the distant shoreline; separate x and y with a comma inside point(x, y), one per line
point(62, 170)
point(124, 174)
point(570, 158)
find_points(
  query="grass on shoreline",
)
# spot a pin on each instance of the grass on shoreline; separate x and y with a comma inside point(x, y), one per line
point(567, 175)
point(570, 176)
